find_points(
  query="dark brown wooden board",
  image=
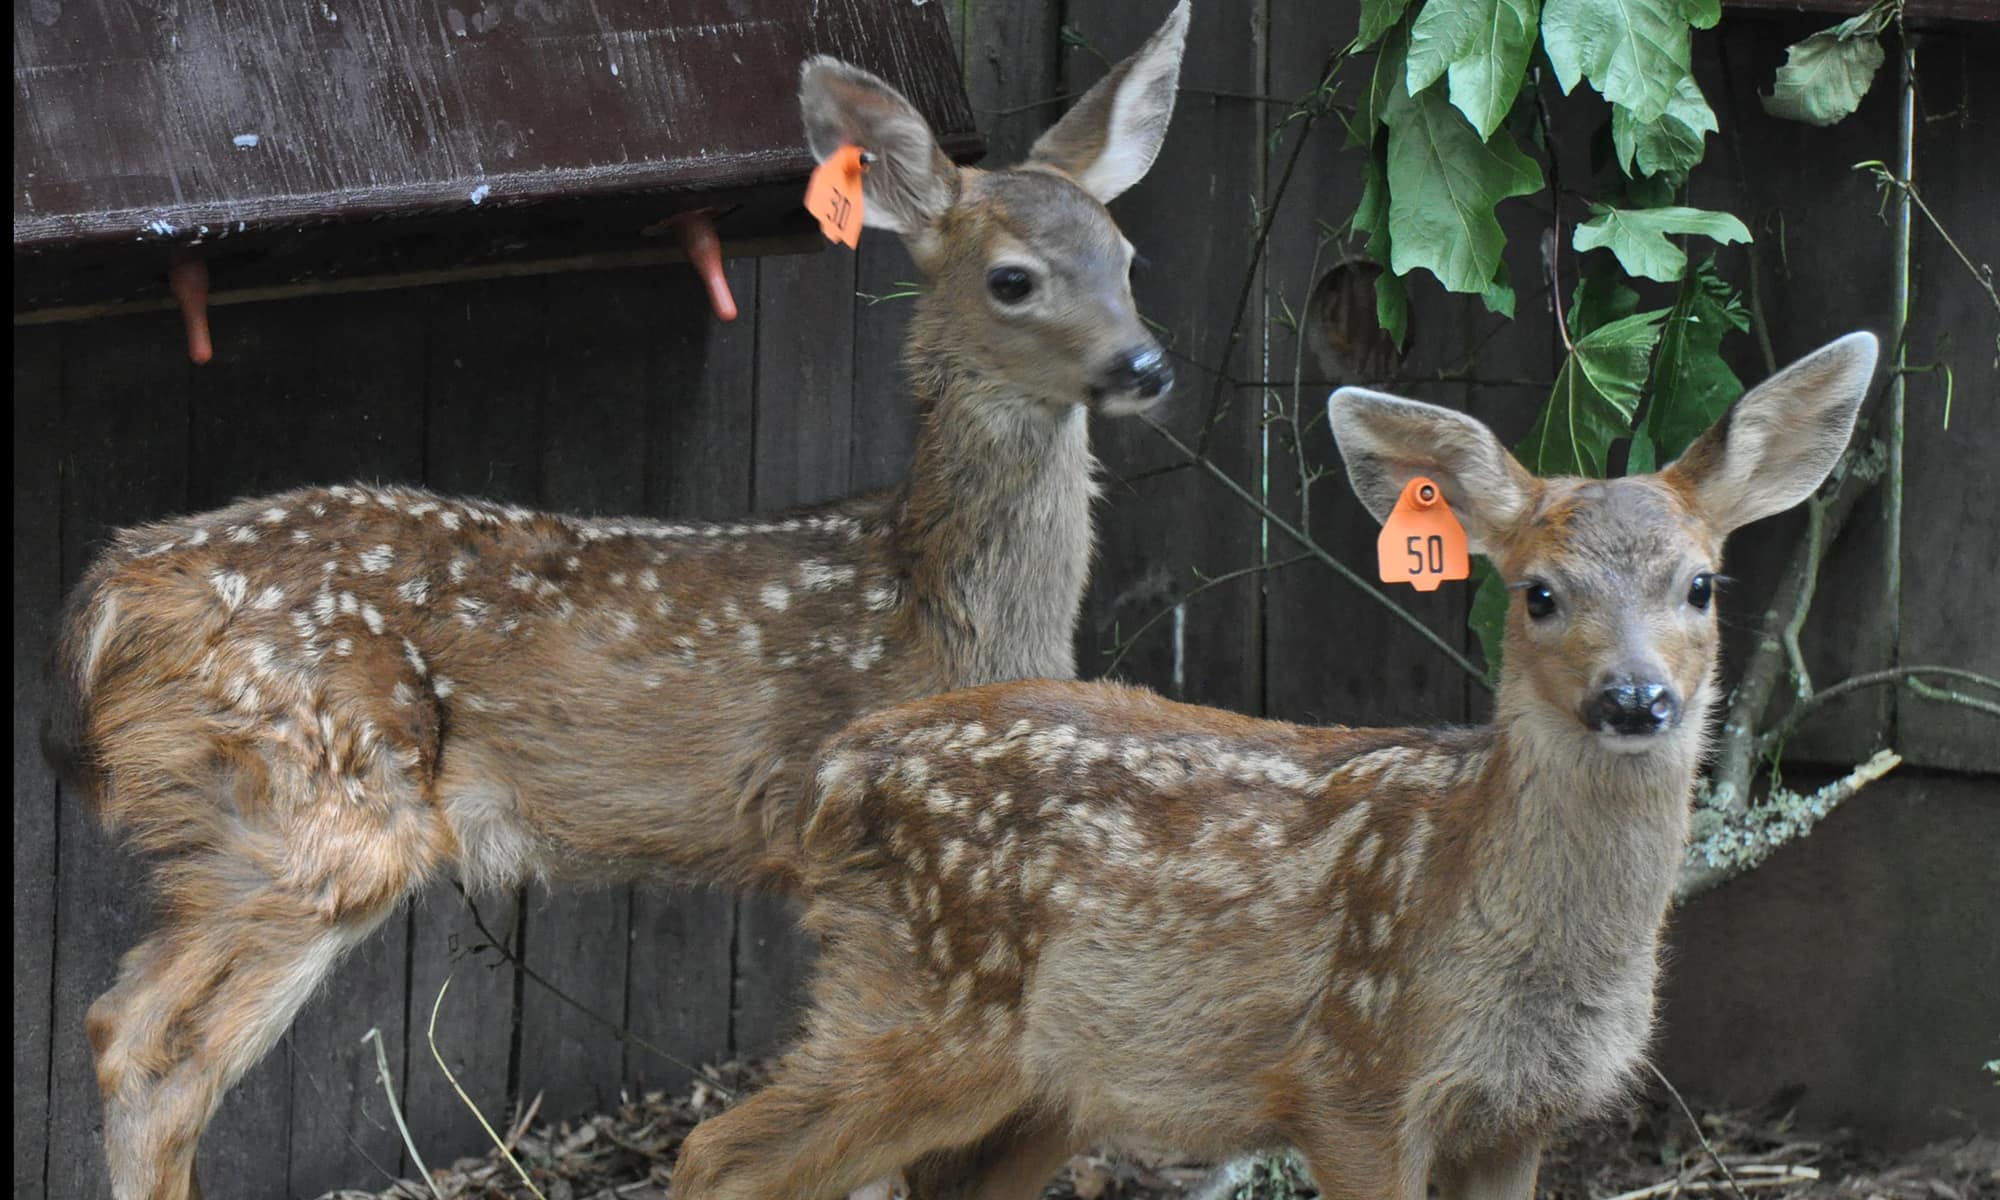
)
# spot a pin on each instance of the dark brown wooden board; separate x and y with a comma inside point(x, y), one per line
point(1333, 653)
point(1919, 14)
point(1151, 532)
point(124, 452)
point(1825, 261)
point(139, 130)
point(37, 592)
point(1951, 495)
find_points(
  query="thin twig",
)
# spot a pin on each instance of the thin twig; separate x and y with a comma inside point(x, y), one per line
point(1778, 734)
point(1713, 1156)
point(396, 1110)
point(1124, 647)
point(1264, 227)
point(1318, 552)
point(430, 1034)
point(1883, 175)
point(622, 1032)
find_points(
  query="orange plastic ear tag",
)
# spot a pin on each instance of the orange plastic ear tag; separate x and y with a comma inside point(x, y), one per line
point(1422, 544)
point(833, 194)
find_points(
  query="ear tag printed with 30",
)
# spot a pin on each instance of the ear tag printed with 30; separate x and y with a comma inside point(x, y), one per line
point(833, 194)
point(1422, 543)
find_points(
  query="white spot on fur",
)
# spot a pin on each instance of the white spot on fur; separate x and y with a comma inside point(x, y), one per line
point(198, 538)
point(415, 591)
point(817, 575)
point(274, 514)
point(242, 533)
point(232, 586)
point(868, 656)
point(417, 663)
point(270, 598)
point(373, 618)
point(378, 559)
point(881, 597)
point(776, 597)
point(649, 579)
point(447, 518)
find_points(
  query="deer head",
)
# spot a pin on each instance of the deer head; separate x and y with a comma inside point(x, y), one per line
point(1027, 278)
point(1611, 633)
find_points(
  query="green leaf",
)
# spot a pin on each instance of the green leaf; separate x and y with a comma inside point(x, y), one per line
point(1638, 236)
point(1633, 51)
point(1691, 385)
point(1444, 181)
point(1595, 397)
point(1670, 143)
point(1384, 82)
point(1484, 44)
point(1371, 216)
point(1376, 18)
point(1392, 306)
point(1601, 297)
point(1499, 294)
point(1488, 615)
point(1824, 77)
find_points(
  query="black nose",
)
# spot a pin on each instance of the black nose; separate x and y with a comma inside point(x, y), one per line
point(1634, 708)
point(1145, 371)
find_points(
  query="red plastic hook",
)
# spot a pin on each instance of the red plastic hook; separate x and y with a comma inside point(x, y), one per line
point(188, 280)
point(704, 252)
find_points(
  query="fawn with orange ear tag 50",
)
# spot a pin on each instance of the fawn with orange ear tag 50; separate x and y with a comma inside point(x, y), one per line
point(1421, 543)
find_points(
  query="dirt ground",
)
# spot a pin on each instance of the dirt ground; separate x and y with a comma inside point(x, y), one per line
point(1650, 1150)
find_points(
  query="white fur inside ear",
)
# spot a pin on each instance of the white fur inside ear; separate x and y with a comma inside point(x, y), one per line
point(1140, 110)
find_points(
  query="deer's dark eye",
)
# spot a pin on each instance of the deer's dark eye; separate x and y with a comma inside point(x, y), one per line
point(1540, 600)
point(1702, 590)
point(1009, 285)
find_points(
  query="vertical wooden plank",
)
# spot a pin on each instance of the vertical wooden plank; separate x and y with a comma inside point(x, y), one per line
point(38, 408)
point(805, 390)
point(1192, 216)
point(1826, 262)
point(594, 455)
point(483, 386)
point(679, 980)
point(883, 431)
point(125, 459)
point(1951, 497)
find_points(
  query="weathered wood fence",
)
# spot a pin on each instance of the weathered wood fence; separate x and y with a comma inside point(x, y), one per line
point(614, 392)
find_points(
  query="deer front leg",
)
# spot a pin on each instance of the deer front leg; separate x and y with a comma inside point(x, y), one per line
point(1503, 1173)
point(1356, 1160)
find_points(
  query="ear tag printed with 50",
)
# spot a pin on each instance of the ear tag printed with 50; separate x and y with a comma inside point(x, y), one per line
point(1422, 543)
point(833, 194)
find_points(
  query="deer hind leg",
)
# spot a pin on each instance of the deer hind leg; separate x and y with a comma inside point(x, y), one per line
point(1014, 1162)
point(843, 1113)
point(198, 1003)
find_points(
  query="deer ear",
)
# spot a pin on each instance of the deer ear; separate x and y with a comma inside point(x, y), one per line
point(911, 183)
point(1777, 444)
point(1386, 441)
point(1109, 140)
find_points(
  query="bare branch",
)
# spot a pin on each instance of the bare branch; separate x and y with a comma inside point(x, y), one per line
point(1319, 552)
point(1728, 842)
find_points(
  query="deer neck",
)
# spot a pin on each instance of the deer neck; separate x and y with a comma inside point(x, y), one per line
point(1586, 842)
point(994, 525)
